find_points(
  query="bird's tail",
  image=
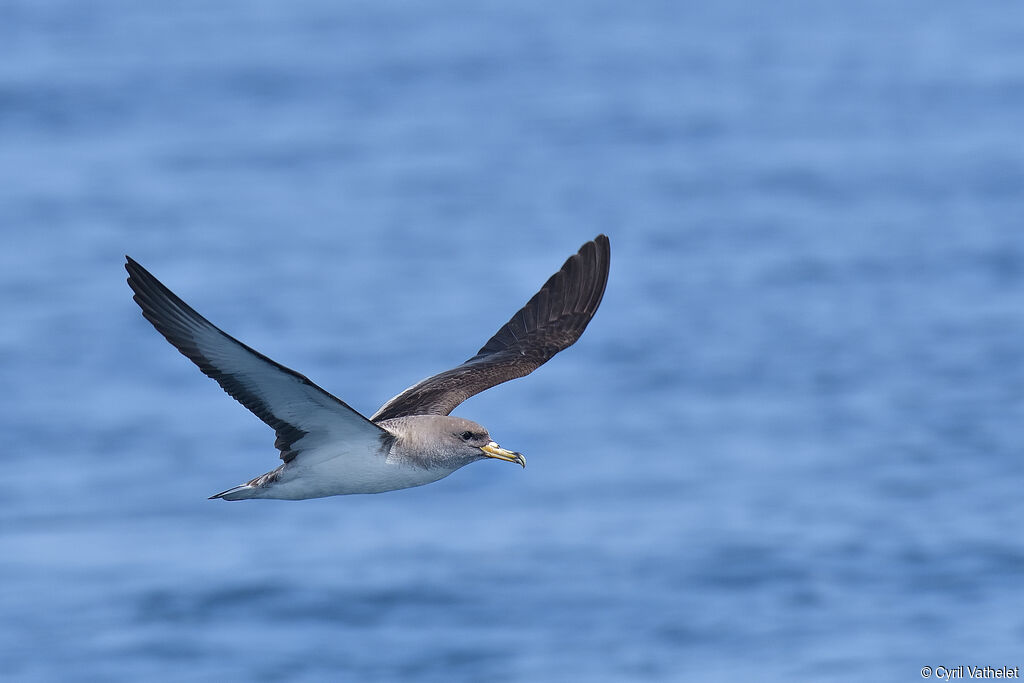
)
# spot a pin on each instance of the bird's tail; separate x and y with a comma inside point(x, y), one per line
point(254, 488)
point(238, 493)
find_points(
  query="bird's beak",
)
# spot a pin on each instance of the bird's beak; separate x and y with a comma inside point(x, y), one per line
point(493, 450)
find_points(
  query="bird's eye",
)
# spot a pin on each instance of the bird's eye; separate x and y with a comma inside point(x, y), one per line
point(466, 436)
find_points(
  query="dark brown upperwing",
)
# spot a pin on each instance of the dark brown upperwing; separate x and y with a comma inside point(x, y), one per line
point(550, 321)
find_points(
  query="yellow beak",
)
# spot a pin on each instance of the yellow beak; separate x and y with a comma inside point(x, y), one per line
point(493, 450)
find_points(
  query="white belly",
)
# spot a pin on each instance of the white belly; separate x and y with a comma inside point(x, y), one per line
point(344, 475)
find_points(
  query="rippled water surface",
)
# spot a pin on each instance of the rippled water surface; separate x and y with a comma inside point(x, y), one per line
point(787, 449)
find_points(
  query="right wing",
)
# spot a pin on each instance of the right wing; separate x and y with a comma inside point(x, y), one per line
point(549, 322)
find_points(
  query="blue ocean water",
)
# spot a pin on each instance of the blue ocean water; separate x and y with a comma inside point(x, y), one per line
point(788, 448)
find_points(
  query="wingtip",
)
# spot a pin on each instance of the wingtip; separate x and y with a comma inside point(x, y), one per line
point(133, 267)
point(598, 249)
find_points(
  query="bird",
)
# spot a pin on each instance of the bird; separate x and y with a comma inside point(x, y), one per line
point(327, 448)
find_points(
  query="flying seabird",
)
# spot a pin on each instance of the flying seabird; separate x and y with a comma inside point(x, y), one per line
point(328, 448)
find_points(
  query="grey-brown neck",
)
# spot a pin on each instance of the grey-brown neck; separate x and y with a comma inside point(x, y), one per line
point(435, 441)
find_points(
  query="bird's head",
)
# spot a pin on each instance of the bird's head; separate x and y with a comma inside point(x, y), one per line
point(445, 441)
point(471, 439)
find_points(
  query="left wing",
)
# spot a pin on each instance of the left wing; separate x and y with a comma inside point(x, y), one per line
point(303, 415)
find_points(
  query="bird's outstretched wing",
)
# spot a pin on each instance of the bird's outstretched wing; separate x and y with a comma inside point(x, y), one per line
point(303, 415)
point(551, 321)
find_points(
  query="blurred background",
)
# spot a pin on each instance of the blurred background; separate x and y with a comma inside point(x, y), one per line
point(787, 448)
